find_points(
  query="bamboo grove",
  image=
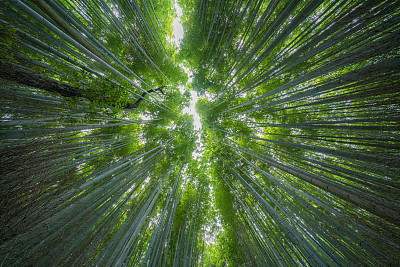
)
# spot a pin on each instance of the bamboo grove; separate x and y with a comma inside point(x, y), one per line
point(297, 162)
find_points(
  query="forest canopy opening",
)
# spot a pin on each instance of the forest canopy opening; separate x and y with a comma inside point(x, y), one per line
point(197, 133)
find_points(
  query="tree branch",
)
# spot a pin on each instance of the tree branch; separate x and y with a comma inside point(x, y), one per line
point(136, 104)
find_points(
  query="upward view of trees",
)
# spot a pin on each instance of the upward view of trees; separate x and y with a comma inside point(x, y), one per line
point(297, 162)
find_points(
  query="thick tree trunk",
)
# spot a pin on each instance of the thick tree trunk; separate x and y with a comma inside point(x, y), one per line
point(15, 74)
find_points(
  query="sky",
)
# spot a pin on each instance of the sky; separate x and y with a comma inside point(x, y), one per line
point(178, 33)
point(178, 29)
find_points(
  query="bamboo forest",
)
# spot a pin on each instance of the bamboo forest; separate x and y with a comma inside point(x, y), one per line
point(200, 133)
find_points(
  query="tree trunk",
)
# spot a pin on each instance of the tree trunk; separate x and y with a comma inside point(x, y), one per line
point(13, 73)
point(16, 74)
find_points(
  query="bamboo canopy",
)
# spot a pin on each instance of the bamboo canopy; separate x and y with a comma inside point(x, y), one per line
point(297, 162)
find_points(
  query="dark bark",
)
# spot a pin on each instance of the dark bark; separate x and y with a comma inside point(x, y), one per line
point(13, 73)
point(136, 104)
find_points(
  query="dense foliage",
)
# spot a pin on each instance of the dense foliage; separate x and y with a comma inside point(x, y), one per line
point(297, 162)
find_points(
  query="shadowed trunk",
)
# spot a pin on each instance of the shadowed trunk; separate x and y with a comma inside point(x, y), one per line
point(16, 74)
point(12, 73)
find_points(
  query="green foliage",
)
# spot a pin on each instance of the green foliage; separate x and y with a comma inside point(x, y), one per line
point(299, 107)
point(8, 38)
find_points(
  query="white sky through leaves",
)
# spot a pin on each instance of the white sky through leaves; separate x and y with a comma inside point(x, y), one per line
point(178, 36)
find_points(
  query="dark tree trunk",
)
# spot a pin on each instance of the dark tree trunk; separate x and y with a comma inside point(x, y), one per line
point(15, 74)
